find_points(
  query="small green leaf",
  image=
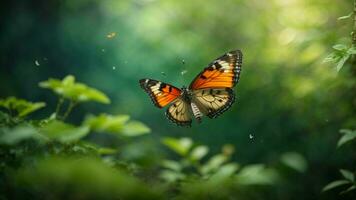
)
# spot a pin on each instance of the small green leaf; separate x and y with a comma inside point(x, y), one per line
point(345, 17)
point(332, 57)
point(171, 176)
point(199, 152)
point(295, 161)
point(107, 123)
point(214, 163)
point(351, 50)
point(347, 175)
point(17, 134)
point(353, 187)
point(180, 146)
point(63, 132)
point(335, 184)
point(256, 175)
point(225, 171)
point(340, 47)
point(342, 61)
point(106, 151)
point(77, 92)
point(135, 128)
point(347, 137)
point(172, 165)
point(21, 106)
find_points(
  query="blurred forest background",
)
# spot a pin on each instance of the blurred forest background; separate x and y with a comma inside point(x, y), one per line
point(289, 102)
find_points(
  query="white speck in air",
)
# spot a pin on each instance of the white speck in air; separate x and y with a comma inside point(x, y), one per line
point(37, 63)
point(103, 50)
point(183, 61)
point(251, 136)
point(183, 72)
point(113, 67)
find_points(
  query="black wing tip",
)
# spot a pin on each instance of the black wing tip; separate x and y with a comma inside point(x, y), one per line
point(178, 123)
point(144, 85)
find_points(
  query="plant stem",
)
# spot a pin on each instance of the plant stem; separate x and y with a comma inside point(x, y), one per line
point(58, 107)
point(353, 34)
point(69, 109)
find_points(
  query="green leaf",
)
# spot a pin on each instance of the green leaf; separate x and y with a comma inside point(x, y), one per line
point(106, 151)
point(345, 17)
point(214, 163)
point(225, 171)
point(256, 174)
point(17, 134)
point(77, 92)
point(89, 178)
point(332, 57)
point(351, 50)
point(172, 165)
point(340, 47)
point(199, 152)
point(135, 128)
point(353, 187)
point(116, 124)
point(347, 137)
point(295, 161)
point(180, 146)
point(342, 61)
point(335, 184)
point(347, 175)
point(171, 176)
point(63, 132)
point(106, 123)
point(21, 106)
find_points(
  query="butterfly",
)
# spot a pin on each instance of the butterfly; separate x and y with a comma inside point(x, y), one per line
point(210, 93)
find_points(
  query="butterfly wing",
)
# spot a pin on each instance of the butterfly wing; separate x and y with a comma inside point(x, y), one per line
point(213, 102)
point(161, 93)
point(224, 72)
point(179, 112)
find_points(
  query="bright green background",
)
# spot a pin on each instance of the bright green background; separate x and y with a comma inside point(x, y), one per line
point(287, 98)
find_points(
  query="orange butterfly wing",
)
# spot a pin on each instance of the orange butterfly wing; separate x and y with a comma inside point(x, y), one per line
point(161, 93)
point(224, 72)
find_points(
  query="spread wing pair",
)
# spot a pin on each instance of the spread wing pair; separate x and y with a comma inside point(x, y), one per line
point(210, 93)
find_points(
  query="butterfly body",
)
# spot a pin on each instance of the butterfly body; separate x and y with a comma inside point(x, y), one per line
point(210, 93)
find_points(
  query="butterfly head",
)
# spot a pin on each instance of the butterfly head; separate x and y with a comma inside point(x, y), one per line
point(186, 93)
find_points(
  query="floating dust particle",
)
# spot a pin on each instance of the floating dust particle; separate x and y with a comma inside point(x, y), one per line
point(113, 67)
point(111, 35)
point(251, 136)
point(183, 72)
point(37, 63)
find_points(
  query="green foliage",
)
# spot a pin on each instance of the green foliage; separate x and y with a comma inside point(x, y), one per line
point(180, 146)
point(77, 92)
point(348, 135)
point(348, 181)
point(257, 175)
point(62, 132)
point(340, 55)
point(20, 107)
point(86, 178)
point(295, 161)
point(216, 169)
point(118, 124)
point(13, 136)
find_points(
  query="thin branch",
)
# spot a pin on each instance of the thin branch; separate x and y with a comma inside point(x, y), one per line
point(72, 104)
point(58, 107)
point(353, 34)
